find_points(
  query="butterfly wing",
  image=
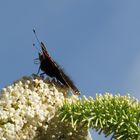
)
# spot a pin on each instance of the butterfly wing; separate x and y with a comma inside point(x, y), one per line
point(59, 72)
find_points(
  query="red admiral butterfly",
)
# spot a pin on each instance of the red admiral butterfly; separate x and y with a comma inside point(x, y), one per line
point(52, 69)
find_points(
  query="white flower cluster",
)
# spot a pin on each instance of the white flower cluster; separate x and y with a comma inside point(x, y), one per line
point(27, 105)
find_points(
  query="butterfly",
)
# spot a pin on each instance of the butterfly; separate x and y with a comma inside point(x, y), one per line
point(52, 69)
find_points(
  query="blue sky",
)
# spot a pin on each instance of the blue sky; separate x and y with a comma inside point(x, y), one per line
point(96, 41)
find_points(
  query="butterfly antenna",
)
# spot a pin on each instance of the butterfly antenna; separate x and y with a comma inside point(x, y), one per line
point(36, 36)
point(37, 48)
point(37, 41)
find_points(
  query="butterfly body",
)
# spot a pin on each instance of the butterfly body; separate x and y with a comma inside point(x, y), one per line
point(52, 69)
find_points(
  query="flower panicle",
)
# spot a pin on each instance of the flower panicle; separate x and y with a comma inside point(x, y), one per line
point(27, 106)
point(117, 115)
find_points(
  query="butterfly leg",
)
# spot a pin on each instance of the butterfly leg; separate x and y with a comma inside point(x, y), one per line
point(38, 71)
point(36, 61)
point(42, 74)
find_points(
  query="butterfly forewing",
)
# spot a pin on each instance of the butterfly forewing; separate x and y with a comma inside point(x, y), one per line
point(51, 68)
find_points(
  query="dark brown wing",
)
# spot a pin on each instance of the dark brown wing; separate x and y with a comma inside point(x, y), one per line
point(67, 80)
point(60, 74)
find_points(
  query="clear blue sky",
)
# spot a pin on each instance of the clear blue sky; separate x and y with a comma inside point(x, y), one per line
point(96, 41)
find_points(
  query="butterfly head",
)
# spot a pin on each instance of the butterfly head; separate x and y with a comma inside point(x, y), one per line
point(44, 54)
point(40, 56)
